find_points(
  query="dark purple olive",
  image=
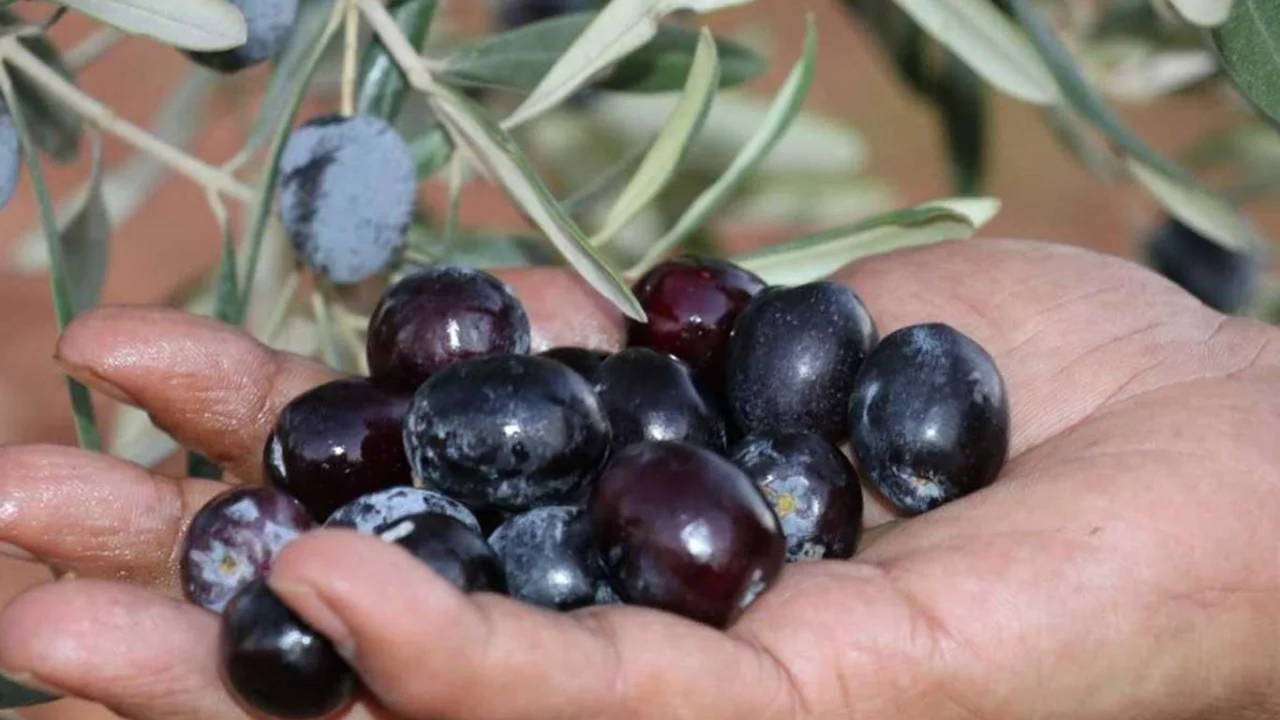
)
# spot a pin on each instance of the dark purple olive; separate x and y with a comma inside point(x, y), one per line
point(1224, 279)
point(692, 304)
point(338, 442)
point(234, 539)
point(929, 418)
point(581, 360)
point(438, 316)
point(793, 358)
point(276, 664)
point(812, 488)
point(368, 513)
point(510, 432)
point(681, 529)
point(650, 396)
point(549, 558)
point(453, 550)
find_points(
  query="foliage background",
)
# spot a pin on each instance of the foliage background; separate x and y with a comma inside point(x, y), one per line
point(166, 246)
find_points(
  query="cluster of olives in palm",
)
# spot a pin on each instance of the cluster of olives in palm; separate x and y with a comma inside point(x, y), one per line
point(680, 473)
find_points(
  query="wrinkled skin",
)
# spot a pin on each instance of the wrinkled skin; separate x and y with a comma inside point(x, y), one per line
point(1125, 564)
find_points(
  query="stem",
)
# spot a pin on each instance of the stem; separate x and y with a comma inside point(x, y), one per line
point(102, 116)
point(351, 47)
point(455, 200)
point(402, 51)
point(92, 48)
point(280, 312)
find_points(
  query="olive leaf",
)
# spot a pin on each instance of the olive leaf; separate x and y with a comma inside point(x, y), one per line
point(55, 127)
point(64, 301)
point(991, 44)
point(186, 24)
point(383, 85)
point(1249, 43)
point(519, 59)
point(816, 256)
point(621, 28)
point(499, 155)
point(668, 150)
point(85, 240)
point(1204, 13)
point(784, 110)
point(431, 150)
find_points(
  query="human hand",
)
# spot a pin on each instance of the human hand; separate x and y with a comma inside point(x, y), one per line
point(1125, 565)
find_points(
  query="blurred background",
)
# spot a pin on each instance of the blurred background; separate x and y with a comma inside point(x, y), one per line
point(890, 140)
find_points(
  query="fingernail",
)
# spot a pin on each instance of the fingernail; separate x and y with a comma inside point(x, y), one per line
point(95, 381)
point(30, 691)
point(305, 601)
point(15, 552)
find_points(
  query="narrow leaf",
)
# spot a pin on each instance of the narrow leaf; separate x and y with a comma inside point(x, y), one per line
point(262, 204)
point(63, 301)
point(1249, 43)
point(186, 24)
point(962, 102)
point(85, 240)
point(519, 59)
point(783, 111)
point(506, 163)
point(1205, 13)
point(431, 150)
point(13, 695)
point(816, 256)
point(291, 68)
point(55, 127)
point(990, 43)
point(1202, 211)
point(1080, 94)
point(382, 83)
point(668, 150)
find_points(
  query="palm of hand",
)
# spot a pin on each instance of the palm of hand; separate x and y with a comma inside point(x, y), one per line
point(1127, 563)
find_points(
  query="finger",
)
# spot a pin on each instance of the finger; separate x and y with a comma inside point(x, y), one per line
point(141, 655)
point(96, 516)
point(490, 657)
point(210, 386)
point(1071, 330)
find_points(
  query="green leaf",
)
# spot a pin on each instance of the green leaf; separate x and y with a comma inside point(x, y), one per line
point(1204, 13)
point(816, 256)
point(1249, 43)
point(63, 300)
point(668, 150)
point(506, 163)
point(1081, 95)
point(55, 127)
point(961, 100)
point(431, 150)
point(186, 24)
point(783, 111)
point(85, 240)
point(1202, 211)
point(621, 28)
point(990, 43)
point(13, 695)
point(519, 59)
point(382, 84)
point(262, 204)
point(199, 466)
point(291, 68)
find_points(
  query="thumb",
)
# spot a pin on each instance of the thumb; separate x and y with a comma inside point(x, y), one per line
point(427, 650)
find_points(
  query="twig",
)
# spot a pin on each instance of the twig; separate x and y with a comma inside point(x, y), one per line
point(351, 47)
point(455, 200)
point(102, 116)
point(92, 48)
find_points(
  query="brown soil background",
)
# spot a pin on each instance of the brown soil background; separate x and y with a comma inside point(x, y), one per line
point(164, 247)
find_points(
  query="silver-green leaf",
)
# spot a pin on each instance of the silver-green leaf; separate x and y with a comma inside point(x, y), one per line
point(86, 239)
point(816, 256)
point(499, 155)
point(1249, 43)
point(668, 150)
point(187, 24)
point(1204, 13)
